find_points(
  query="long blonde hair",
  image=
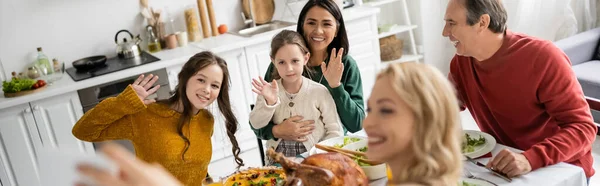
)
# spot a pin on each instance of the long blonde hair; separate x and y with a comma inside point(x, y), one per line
point(437, 130)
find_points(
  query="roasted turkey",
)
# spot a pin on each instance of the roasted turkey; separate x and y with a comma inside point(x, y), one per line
point(331, 168)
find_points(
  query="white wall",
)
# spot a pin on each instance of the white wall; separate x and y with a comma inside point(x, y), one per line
point(73, 29)
point(438, 51)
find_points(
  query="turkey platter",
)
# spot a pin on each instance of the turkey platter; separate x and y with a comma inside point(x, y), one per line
point(331, 168)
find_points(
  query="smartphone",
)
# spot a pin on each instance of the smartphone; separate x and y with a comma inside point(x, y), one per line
point(60, 167)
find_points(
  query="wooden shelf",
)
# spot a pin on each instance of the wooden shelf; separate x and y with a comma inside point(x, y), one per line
point(404, 58)
point(396, 30)
point(378, 2)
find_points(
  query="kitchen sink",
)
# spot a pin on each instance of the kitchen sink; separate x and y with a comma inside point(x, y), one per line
point(274, 25)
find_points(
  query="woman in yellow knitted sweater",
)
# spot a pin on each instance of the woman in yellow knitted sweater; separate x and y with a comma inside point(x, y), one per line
point(175, 133)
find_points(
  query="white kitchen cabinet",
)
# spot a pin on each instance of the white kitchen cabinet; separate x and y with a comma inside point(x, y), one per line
point(364, 41)
point(19, 138)
point(173, 72)
point(28, 128)
point(55, 118)
point(364, 48)
point(367, 59)
point(362, 28)
point(365, 52)
point(239, 88)
point(259, 59)
point(219, 134)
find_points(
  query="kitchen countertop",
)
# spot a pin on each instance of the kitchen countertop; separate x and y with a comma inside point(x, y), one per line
point(168, 58)
point(67, 84)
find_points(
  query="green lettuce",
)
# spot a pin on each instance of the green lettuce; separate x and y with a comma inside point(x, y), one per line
point(17, 85)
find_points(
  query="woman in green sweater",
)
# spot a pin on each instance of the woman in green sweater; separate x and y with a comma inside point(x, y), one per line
point(322, 25)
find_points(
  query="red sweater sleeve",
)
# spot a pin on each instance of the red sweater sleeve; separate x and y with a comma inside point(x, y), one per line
point(561, 94)
point(458, 88)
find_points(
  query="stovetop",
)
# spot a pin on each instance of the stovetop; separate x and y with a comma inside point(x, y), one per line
point(112, 65)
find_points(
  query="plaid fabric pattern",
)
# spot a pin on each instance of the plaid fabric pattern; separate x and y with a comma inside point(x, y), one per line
point(290, 148)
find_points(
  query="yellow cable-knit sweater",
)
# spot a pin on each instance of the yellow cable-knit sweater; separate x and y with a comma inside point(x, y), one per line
point(153, 131)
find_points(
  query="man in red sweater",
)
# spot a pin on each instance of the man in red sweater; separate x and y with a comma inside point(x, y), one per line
point(518, 88)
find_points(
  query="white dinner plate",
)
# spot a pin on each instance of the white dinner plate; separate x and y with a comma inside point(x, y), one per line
point(480, 150)
point(474, 182)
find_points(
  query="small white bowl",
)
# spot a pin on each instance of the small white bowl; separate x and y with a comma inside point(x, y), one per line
point(373, 172)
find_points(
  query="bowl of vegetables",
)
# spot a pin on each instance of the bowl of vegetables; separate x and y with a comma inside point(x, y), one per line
point(373, 172)
point(338, 142)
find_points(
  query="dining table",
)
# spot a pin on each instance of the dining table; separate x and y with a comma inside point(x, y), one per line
point(560, 174)
point(554, 175)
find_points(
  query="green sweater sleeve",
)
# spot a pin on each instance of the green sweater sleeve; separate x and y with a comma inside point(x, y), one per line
point(348, 97)
point(266, 133)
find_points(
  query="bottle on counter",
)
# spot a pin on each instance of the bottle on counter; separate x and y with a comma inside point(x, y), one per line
point(43, 63)
point(56, 65)
point(153, 41)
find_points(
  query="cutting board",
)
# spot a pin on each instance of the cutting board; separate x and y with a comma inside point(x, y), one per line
point(22, 93)
point(263, 10)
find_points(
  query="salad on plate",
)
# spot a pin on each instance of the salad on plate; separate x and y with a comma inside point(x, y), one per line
point(471, 143)
point(347, 140)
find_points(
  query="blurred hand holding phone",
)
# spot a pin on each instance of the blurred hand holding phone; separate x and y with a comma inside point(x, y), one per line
point(114, 166)
point(60, 167)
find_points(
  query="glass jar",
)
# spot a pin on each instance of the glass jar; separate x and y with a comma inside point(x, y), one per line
point(33, 73)
point(191, 23)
